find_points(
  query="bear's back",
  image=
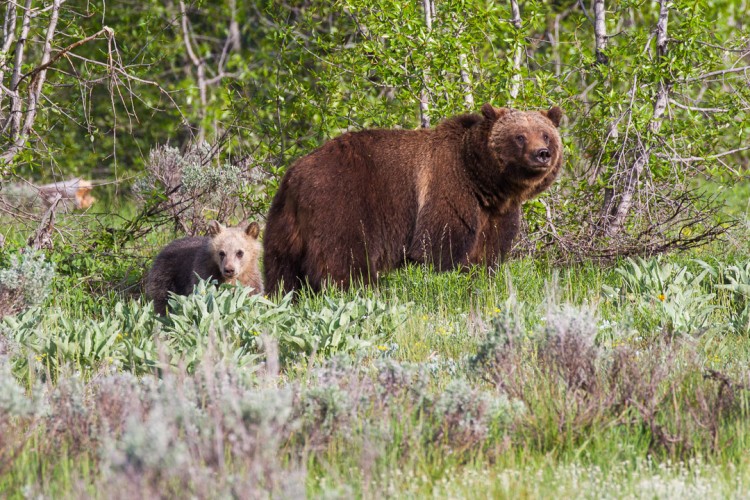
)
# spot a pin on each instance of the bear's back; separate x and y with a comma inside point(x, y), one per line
point(173, 269)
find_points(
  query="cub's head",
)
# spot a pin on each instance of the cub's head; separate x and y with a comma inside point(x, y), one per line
point(235, 249)
point(526, 143)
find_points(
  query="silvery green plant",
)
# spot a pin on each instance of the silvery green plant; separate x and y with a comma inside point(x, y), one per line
point(462, 412)
point(14, 401)
point(124, 336)
point(227, 318)
point(737, 283)
point(670, 295)
point(191, 187)
point(338, 325)
point(26, 282)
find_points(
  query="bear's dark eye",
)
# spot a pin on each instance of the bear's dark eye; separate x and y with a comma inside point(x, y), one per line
point(521, 139)
point(240, 253)
point(222, 254)
point(546, 138)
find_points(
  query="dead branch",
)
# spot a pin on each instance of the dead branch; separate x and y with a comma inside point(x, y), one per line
point(42, 237)
point(106, 30)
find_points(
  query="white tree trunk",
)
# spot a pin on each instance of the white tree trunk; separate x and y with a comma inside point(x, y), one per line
point(632, 176)
point(600, 31)
point(466, 80)
point(424, 97)
point(515, 85)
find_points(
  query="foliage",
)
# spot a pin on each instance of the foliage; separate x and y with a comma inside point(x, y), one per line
point(26, 282)
point(265, 82)
point(189, 189)
point(671, 294)
point(214, 413)
point(228, 318)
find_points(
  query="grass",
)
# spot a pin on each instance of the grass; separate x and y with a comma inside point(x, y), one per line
point(534, 381)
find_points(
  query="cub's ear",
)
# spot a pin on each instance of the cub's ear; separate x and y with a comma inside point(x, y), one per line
point(214, 228)
point(252, 230)
point(491, 112)
point(554, 114)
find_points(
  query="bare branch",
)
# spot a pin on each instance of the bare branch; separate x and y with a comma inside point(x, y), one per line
point(616, 218)
point(695, 108)
point(14, 119)
point(626, 198)
point(703, 158)
point(42, 67)
point(200, 69)
point(42, 238)
point(662, 95)
point(717, 73)
point(9, 35)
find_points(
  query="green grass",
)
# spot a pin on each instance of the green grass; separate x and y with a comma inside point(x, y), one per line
point(332, 423)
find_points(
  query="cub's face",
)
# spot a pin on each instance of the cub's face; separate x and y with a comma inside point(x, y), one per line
point(527, 143)
point(234, 249)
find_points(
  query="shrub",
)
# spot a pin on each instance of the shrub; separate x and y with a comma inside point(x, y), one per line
point(25, 283)
point(190, 188)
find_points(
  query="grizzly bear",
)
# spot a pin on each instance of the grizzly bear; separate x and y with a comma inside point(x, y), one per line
point(227, 254)
point(369, 201)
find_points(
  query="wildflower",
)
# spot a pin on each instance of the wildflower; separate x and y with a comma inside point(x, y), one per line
point(661, 297)
point(382, 347)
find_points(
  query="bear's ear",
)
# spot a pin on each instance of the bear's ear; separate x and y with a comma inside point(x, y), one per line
point(252, 230)
point(554, 114)
point(491, 112)
point(214, 228)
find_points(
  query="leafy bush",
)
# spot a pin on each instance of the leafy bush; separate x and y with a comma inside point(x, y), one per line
point(666, 294)
point(25, 283)
point(190, 189)
point(738, 277)
point(132, 337)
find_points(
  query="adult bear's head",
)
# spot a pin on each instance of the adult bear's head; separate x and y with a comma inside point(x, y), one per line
point(526, 144)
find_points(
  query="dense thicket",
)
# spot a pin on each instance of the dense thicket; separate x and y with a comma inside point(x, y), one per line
point(655, 93)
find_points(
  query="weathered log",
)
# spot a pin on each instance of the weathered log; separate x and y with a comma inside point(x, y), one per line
point(76, 190)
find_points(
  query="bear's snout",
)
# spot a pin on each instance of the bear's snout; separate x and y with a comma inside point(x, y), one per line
point(229, 272)
point(542, 155)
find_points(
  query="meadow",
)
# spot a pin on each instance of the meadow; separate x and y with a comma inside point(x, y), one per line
point(537, 380)
point(608, 358)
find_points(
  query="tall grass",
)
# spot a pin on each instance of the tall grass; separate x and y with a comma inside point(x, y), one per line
point(528, 381)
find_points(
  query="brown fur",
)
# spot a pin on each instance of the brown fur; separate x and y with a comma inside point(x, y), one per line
point(228, 255)
point(368, 201)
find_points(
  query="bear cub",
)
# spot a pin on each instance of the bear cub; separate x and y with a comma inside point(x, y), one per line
point(227, 254)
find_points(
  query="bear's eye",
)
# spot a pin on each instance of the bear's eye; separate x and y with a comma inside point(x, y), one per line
point(240, 253)
point(546, 138)
point(222, 254)
point(521, 139)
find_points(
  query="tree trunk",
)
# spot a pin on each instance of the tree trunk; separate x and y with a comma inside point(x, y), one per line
point(515, 85)
point(424, 97)
point(632, 176)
